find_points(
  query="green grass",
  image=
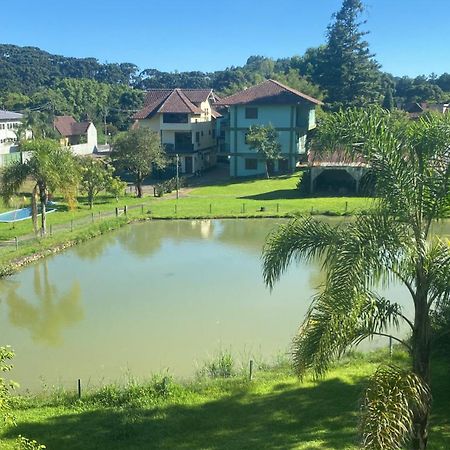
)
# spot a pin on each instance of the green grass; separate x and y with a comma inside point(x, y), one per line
point(274, 411)
point(278, 196)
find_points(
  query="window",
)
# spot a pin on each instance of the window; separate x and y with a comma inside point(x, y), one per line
point(251, 164)
point(202, 133)
point(197, 137)
point(175, 118)
point(251, 113)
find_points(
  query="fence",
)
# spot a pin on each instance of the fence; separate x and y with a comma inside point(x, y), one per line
point(15, 243)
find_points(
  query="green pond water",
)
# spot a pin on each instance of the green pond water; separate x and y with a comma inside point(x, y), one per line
point(153, 297)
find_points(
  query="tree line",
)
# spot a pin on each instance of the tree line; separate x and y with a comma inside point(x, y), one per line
point(343, 72)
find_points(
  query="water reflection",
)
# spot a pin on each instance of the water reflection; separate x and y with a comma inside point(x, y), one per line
point(53, 312)
point(95, 247)
point(247, 234)
point(143, 240)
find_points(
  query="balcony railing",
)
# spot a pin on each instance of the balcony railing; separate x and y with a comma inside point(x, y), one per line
point(184, 148)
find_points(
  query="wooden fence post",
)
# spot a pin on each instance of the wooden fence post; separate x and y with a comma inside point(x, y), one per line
point(251, 370)
point(16, 240)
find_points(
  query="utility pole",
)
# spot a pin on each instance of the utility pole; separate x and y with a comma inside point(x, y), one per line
point(106, 134)
point(178, 159)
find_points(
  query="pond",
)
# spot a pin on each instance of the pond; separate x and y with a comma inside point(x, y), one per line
point(154, 296)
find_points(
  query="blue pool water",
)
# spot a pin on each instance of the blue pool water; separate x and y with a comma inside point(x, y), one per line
point(18, 214)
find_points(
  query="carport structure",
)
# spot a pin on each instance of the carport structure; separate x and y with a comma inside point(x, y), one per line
point(336, 173)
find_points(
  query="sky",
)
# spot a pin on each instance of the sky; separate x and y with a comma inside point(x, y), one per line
point(409, 37)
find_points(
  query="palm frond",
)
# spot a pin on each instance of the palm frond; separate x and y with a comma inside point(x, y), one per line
point(391, 400)
point(301, 239)
point(437, 268)
point(336, 322)
point(13, 176)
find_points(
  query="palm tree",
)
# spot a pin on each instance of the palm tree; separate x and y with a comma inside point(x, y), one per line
point(391, 243)
point(50, 167)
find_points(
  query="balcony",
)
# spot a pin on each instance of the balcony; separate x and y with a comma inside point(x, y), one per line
point(172, 149)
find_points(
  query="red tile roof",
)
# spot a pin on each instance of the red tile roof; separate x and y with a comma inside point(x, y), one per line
point(268, 93)
point(178, 102)
point(68, 126)
point(173, 101)
point(216, 114)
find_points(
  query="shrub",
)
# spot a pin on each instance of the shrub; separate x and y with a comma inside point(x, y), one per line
point(303, 183)
point(24, 443)
point(6, 415)
point(219, 367)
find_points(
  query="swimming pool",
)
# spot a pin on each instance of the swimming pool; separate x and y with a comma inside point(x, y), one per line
point(18, 215)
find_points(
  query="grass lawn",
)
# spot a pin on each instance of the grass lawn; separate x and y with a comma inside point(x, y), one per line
point(274, 411)
point(278, 197)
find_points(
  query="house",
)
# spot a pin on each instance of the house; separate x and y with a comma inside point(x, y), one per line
point(81, 137)
point(9, 124)
point(415, 110)
point(185, 120)
point(290, 112)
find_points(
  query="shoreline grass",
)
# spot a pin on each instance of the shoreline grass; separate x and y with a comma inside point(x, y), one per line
point(275, 410)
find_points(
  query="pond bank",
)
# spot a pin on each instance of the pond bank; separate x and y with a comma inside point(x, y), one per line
point(275, 409)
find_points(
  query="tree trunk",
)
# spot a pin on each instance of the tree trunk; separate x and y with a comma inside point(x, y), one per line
point(139, 188)
point(267, 169)
point(43, 199)
point(421, 365)
point(34, 212)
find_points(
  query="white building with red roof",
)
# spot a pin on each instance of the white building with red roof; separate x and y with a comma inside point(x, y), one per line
point(185, 121)
point(80, 137)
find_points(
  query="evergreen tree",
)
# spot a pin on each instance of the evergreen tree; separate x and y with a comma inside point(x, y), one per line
point(388, 102)
point(349, 73)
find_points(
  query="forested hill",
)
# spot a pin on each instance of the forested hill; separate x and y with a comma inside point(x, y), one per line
point(29, 69)
point(343, 72)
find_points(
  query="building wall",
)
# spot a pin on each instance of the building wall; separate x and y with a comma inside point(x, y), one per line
point(8, 137)
point(292, 123)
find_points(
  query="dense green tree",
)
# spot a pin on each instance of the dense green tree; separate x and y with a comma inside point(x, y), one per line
point(348, 72)
point(388, 101)
point(391, 243)
point(296, 81)
point(96, 177)
point(50, 167)
point(264, 139)
point(138, 151)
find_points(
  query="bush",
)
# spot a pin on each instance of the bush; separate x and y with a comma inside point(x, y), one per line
point(24, 443)
point(219, 367)
point(166, 187)
point(6, 415)
point(303, 184)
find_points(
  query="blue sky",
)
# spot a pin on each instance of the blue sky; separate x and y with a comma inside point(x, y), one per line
point(409, 37)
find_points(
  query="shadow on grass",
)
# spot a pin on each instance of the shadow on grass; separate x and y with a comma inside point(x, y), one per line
point(280, 194)
point(317, 417)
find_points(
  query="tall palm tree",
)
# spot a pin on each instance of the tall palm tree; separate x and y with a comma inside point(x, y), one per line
point(50, 167)
point(391, 243)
